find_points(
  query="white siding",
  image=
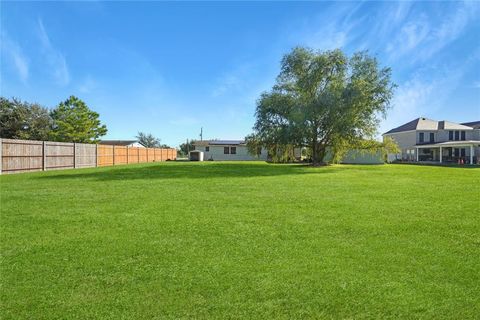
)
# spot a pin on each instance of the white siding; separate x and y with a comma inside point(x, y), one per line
point(136, 145)
point(216, 152)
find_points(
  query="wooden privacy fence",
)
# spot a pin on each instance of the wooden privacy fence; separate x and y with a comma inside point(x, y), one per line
point(28, 155)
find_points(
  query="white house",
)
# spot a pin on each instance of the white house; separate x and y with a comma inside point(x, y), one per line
point(123, 143)
point(224, 150)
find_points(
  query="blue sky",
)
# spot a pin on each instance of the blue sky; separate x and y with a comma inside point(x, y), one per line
point(170, 68)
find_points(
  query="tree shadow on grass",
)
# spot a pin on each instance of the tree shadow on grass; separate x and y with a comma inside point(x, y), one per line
point(191, 171)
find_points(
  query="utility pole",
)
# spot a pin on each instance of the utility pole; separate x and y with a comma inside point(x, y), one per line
point(201, 134)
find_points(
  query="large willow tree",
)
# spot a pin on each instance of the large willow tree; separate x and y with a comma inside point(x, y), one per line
point(322, 100)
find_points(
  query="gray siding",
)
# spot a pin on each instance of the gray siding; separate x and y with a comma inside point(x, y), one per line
point(405, 141)
point(408, 139)
point(443, 135)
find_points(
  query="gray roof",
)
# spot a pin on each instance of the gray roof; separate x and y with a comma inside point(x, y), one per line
point(118, 142)
point(220, 142)
point(428, 124)
point(473, 124)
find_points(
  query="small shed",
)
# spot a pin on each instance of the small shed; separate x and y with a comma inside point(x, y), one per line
point(195, 155)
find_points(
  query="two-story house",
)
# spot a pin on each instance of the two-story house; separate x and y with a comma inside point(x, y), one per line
point(428, 140)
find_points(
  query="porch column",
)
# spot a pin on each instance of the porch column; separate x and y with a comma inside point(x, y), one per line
point(417, 153)
point(471, 154)
point(440, 154)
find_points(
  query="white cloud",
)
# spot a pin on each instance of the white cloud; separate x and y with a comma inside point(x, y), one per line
point(425, 93)
point(332, 29)
point(87, 85)
point(411, 35)
point(420, 39)
point(12, 50)
point(452, 27)
point(55, 59)
point(233, 81)
point(226, 83)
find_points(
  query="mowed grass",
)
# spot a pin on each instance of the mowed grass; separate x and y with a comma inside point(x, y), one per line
point(241, 240)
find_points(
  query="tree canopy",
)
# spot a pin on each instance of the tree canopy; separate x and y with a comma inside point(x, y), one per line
point(322, 100)
point(23, 120)
point(186, 147)
point(73, 121)
point(148, 140)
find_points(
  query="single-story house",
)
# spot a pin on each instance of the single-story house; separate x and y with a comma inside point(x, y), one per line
point(123, 143)
point(224, 150)
point(427, 140)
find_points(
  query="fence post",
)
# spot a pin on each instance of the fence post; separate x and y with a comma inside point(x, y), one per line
point(138, 155)
point(74, 155)
point(113, 154)
point(127, 154)
point(44, 156)
point(96, 155)
point(1, 155)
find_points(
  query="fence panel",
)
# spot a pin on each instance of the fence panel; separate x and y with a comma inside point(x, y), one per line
point(120, 154)
point(21, 155)
point(133, 155)
point(85, 155)
point(171, 154)
point(151, 154)
point(28, 155)
point(59, 155)
point(142, 155)
point(104, 155)
point(157, 154)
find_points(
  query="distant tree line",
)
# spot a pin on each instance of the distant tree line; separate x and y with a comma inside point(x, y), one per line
point(70, 121)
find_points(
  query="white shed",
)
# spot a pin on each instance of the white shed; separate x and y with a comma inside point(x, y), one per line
point(195, 155)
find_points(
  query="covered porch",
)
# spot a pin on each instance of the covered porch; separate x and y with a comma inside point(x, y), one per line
point(448, 152)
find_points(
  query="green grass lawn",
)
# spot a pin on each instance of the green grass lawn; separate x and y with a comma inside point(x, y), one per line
point(241, 240)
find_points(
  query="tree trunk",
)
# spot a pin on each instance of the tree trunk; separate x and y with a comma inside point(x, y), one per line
point(318, 154)
point(314, 153)
point(321, 153)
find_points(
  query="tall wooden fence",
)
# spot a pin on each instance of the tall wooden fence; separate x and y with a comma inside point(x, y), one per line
point(28, 155)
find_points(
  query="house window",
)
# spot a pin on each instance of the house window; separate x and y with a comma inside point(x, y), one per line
point(432, 137)
point(233, 150)
point(456, 152)
point(226, 150)
point(421, 137)
point(207, 149)
point(450, 135)
point(462, 152)
point(457, 135)
point(463, 135)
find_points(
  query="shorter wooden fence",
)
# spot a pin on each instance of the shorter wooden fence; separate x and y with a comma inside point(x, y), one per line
point(29, 155)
